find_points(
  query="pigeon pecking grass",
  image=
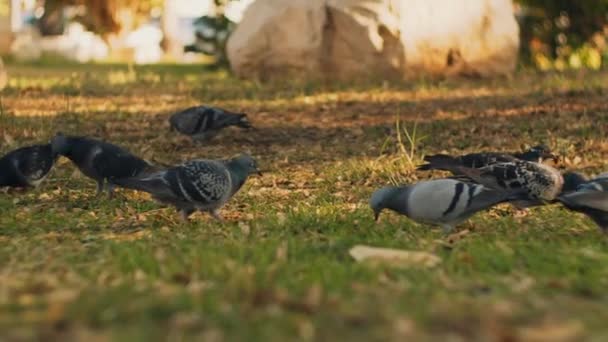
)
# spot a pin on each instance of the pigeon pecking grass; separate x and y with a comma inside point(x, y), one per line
point(592, 203)
point(441, 202)
point(203, 123)
point(204, 185)
point(541, 183)
point(482, 159)
point(589, 197)
point(27, 166)
point(99, 160)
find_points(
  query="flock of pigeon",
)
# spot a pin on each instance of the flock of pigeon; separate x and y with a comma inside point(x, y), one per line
point(204, 185)
point(483, 180)
point(479, 182)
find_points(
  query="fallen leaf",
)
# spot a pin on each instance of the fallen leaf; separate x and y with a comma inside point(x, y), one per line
point(553, 332)
point(245, 229)
point(8, 139)
point(394, 256)
point(44, 197)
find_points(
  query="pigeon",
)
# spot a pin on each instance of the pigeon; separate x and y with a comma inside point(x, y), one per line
point(478, 160)
point(572, 181)
point(99, 160)
point(587, 196)
point(203, 123)
point(541, 183)
point(26, 166)
point(442, 202)
point(593, 203)
point(599, 183)
point(204, 185)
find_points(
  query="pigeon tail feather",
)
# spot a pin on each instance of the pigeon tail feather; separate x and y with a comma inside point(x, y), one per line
point(151, 183)
point(439, 162)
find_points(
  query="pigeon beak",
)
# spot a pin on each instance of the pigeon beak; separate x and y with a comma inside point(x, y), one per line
point(258, 171)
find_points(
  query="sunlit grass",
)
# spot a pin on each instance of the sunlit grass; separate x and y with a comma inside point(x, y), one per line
point(74, 266)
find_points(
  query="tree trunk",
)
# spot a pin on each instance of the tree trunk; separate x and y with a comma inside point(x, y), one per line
point(170, 28)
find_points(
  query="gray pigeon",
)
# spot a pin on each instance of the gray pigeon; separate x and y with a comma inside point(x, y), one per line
point(541, 183)
point(599, 183)
point(593, 203)
point(26, 166)
point(202, 123)
point(572, 181)
point(482, 159)
point(204, 185)
point(99, 160)
point(589, 197)
point(442, 202)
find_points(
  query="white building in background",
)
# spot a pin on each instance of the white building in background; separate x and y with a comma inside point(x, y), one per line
point(83, 46)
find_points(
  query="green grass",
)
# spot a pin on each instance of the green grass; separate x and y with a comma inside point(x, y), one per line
point(77, 267)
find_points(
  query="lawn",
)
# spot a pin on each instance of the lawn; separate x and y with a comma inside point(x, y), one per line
point(74, 266)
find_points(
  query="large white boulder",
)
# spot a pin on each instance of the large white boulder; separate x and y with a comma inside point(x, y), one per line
point(386, 38)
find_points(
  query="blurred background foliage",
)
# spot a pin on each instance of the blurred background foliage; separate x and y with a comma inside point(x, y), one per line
point(100, 16)
point(555, 34)
point(564, 34)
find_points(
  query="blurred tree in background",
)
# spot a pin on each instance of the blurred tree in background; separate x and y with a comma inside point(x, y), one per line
point(564, 34)
point(101, 16)
point(556, 34)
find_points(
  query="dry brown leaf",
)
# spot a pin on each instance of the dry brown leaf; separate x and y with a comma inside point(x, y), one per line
point(8, 139)
point(553, 332)
point(44, 197)
point(452, 238)
point(394, 256)
point(245, 228)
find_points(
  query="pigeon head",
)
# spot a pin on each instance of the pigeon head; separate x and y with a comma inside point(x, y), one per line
point(572, 181)
point(243, 121)
point(385, 198)
point(60, 144)
point(538, 153)
point(244, 165)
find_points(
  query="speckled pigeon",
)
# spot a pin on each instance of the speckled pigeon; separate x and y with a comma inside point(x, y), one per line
point(442, 202)
point(541, 183)
point(99, 160)
point(204, 185)
point(477, 160)
point(202, 122)
point(26, 166)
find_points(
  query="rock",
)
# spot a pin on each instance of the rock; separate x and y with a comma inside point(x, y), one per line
point(384, 38)
point(26, 46)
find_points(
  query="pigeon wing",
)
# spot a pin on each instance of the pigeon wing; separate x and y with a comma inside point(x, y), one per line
point(188, 121)
point(586, 199)
point(117, 163)
point(501, 176)
point(594, 204)
point(156, 183)
point(202, 181)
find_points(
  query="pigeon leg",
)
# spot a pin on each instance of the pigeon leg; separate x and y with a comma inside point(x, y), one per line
point(100, 186)
point(216, 215)
point(110, 188)
point(186, 212)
